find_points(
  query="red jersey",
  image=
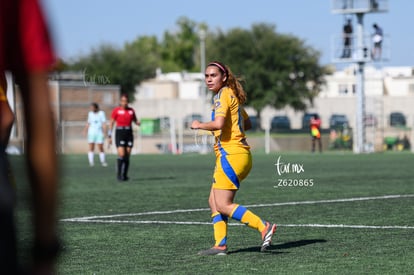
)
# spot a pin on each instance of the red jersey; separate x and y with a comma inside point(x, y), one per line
point(25, 44)
point(123, 117)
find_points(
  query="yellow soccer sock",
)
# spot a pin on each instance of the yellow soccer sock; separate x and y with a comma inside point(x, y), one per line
point(242, 214)
point(220, 228)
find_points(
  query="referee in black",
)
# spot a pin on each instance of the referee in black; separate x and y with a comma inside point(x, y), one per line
point(123, 116)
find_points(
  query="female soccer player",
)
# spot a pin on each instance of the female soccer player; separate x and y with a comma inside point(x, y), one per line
point(96, 127)
point(233, 158)
point(123, 116)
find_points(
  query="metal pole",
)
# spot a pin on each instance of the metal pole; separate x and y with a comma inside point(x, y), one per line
point(267, 140)
point(359, 148)
point(202, 50)
point(360, 140)
point(203, 87)
point(202, 34)
point(173, 138)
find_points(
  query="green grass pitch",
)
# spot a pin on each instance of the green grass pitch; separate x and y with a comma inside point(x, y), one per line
point(356, 218)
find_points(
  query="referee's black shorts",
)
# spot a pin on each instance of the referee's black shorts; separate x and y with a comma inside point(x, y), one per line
point(124, 137)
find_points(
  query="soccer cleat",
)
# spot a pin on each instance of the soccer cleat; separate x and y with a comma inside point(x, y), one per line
point(104, 164)
point(122, 178)
point(215, 250)
point(267, 235)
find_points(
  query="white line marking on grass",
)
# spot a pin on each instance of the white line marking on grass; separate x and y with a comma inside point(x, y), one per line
point(93, 218)
point(142, 222)
point(335, 200)
point(240, 224)
point(349, 226)
point(143, 214)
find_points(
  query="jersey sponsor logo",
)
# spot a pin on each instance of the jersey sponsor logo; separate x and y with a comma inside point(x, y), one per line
point(217, 104)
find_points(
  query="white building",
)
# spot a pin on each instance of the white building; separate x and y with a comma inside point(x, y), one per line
point(174, 95)
point(389, 81)
point(175, 85)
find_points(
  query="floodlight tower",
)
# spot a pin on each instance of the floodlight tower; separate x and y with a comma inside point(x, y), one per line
point(360, 52)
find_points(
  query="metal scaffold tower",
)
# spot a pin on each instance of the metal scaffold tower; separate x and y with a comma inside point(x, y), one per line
point(354, 46)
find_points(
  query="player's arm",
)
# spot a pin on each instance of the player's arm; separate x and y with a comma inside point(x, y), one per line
point(247, 124)
point(105, 127)
point(246, 120)
point(6, 114)
point(85, 129)
point(42, 164)
point(137, 122)
point(216, 124)
point(221, 109)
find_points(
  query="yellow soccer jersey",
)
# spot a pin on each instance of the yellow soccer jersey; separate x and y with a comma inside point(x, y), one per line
point(231, 137)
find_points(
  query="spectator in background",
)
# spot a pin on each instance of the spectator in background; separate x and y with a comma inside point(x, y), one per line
point(347, 4)
point(26, 51)
point(347, 37)
point(315, 128)
point(377, 38)
point(374, 4)
point(96, 129)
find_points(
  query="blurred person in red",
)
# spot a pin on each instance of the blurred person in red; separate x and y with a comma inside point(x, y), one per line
point(26, 51)
point(315, 128)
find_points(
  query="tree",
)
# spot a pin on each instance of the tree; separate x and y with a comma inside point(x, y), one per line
point(139, 61)
point(141, 58)
point(278, 69)
point(127, 67)
point(178, 49)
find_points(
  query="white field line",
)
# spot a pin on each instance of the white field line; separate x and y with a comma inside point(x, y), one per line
point(95, 218)
point(349, 226)
point(240, 224)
